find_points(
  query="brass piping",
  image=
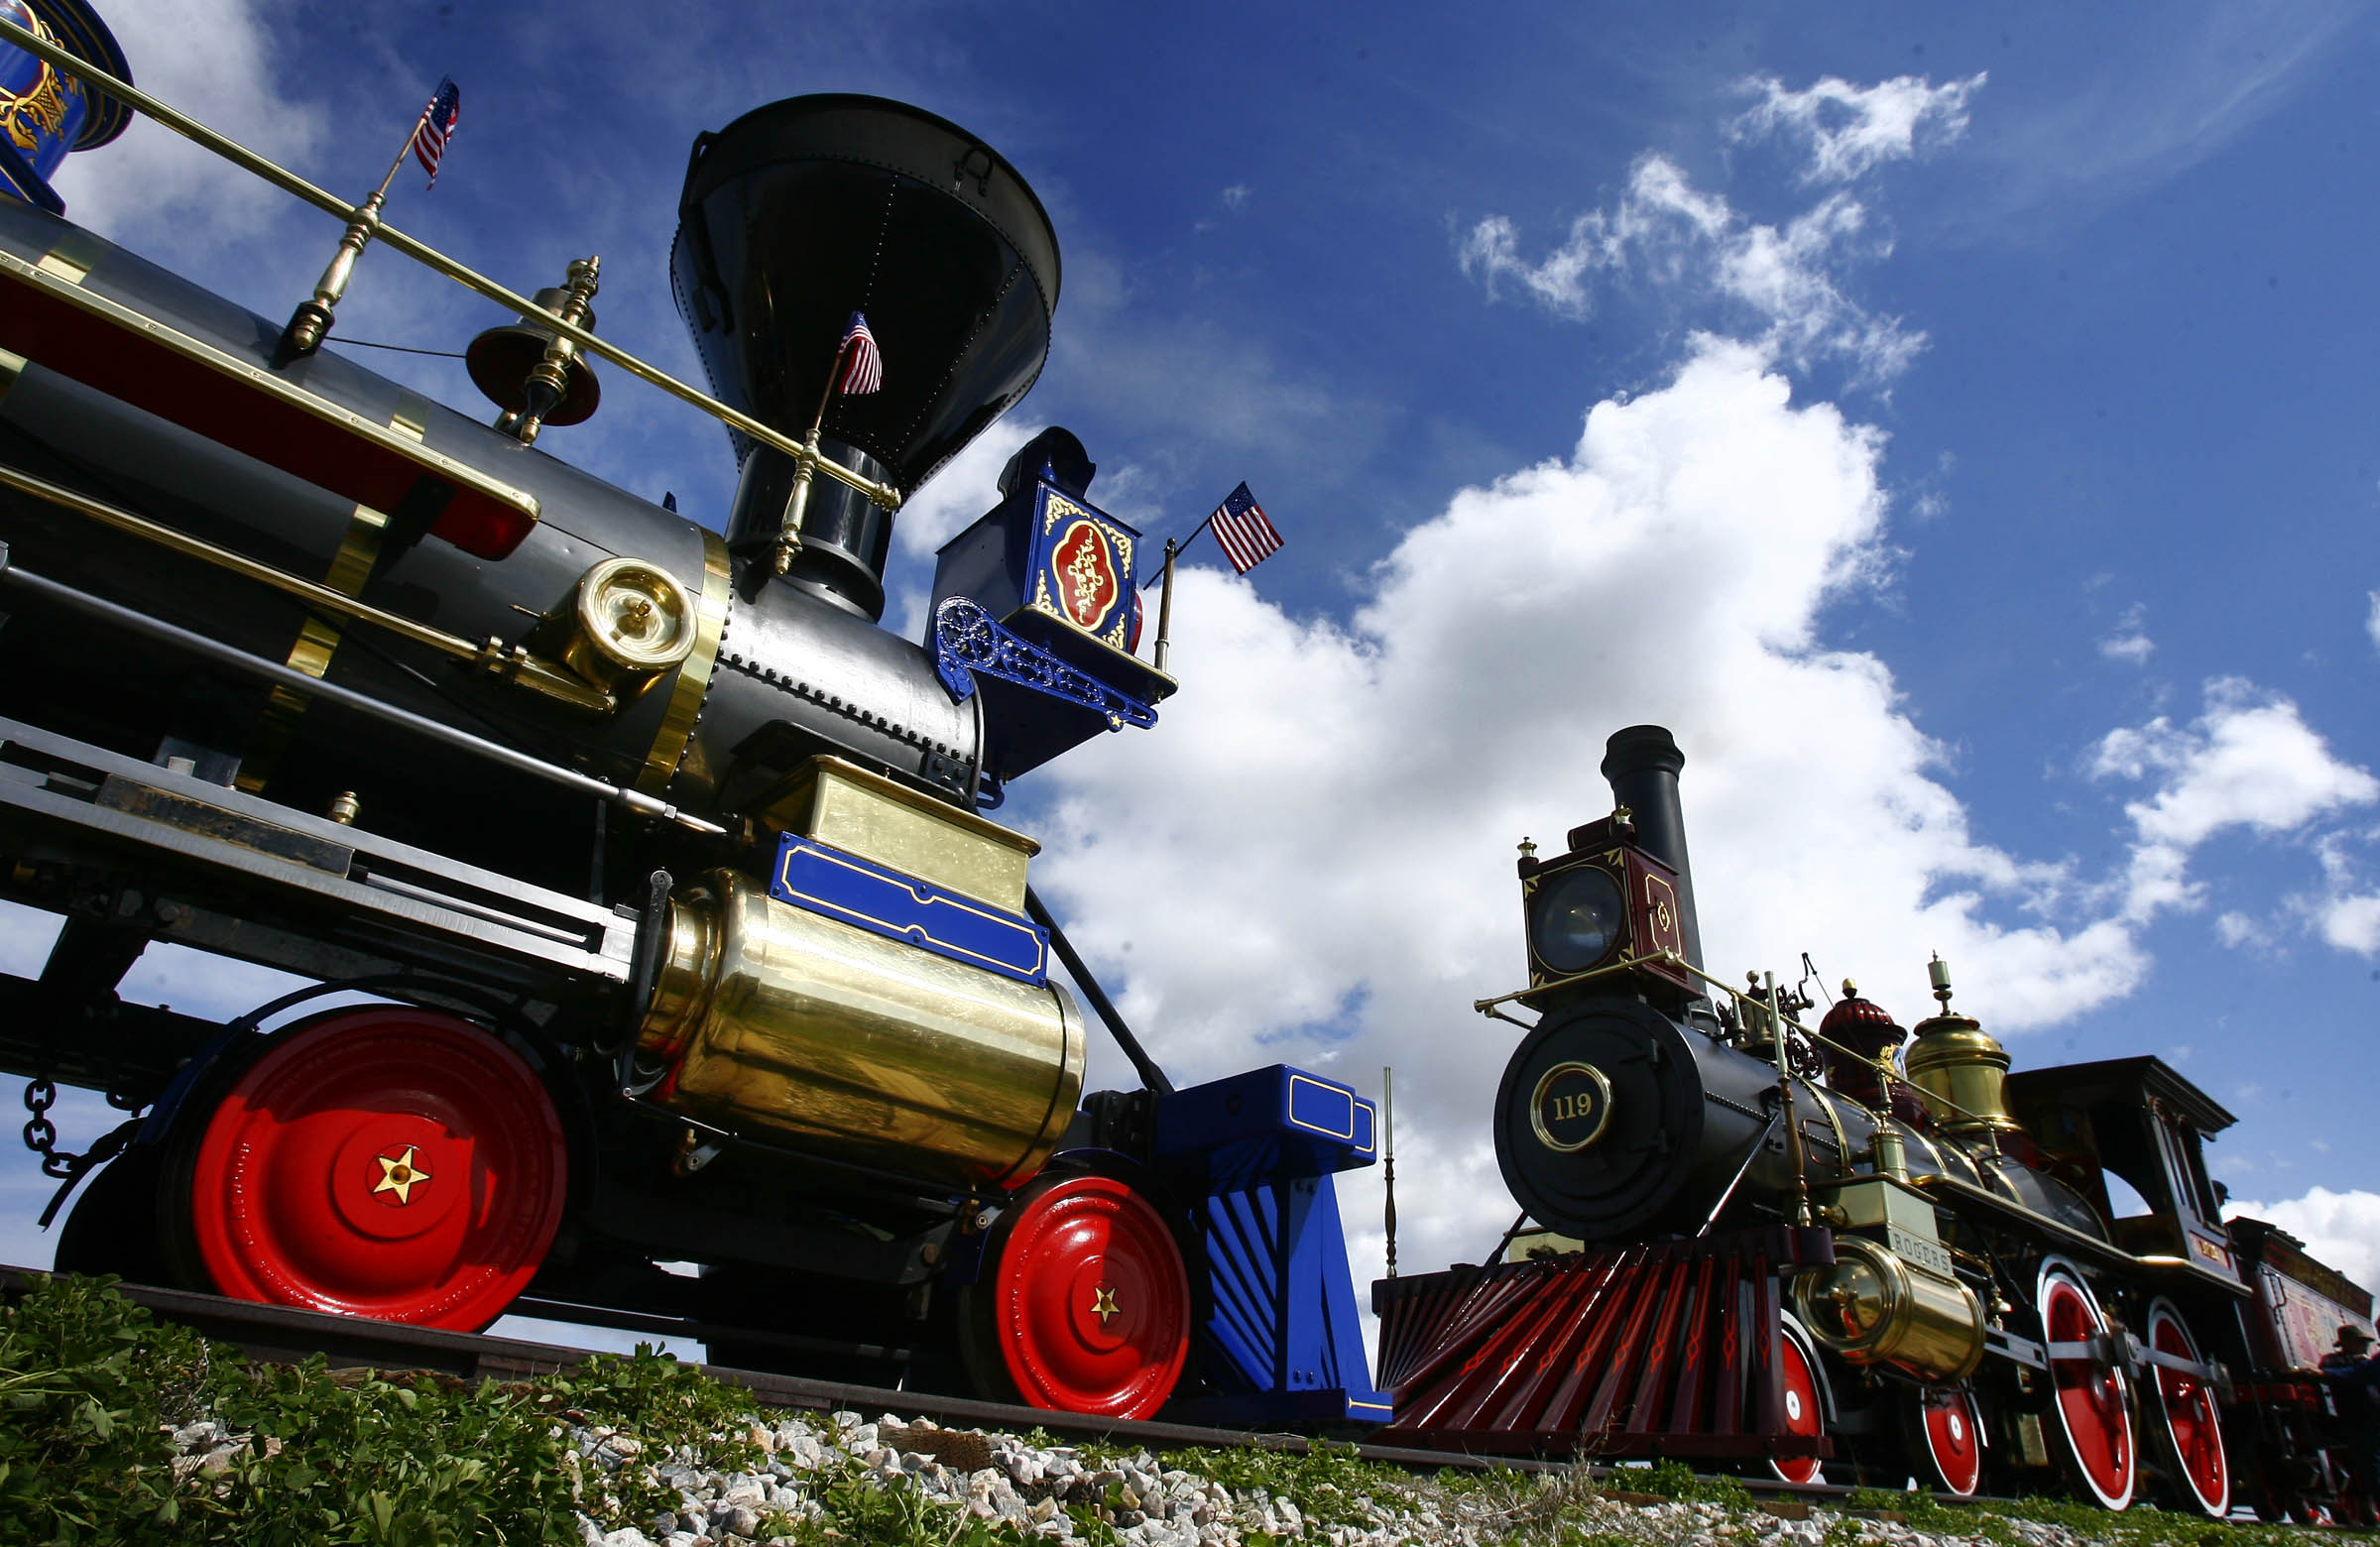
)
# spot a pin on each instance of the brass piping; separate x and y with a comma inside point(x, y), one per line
point(882, 494)
point(513, 662)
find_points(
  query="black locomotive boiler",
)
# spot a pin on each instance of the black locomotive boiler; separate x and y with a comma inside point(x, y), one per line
point(665, 861)
point(1850, 1248)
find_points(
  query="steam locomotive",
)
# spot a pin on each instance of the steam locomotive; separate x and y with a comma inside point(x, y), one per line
point(664, 865)
point(1851, 1249)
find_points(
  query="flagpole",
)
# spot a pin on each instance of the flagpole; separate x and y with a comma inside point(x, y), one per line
point(311, 322)
point(1165, 604)
point(805, 468)
point(1184, 544)
point(1389, 1134)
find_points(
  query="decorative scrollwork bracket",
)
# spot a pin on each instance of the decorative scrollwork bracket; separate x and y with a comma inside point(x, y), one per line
point(968, 644)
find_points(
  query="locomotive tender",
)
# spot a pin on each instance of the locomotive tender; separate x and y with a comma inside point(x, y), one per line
point(1767, 1244)
point(667, 861)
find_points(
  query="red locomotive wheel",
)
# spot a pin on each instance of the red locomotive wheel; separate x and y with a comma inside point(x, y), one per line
point(1090, 1304)
point(2093, 1405)
point(1805, 1414)
point(2193, 1424)
point(384, 1162)
point(1953, 1438)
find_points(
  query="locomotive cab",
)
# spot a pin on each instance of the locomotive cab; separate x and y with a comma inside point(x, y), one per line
point(2139, 1120)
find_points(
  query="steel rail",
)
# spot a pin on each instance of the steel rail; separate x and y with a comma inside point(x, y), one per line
point(99, 81)
point(283, 1334)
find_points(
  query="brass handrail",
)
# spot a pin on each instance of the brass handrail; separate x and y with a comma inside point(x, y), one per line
point(1747, 1006)
point(513, 662)
point(97, 80)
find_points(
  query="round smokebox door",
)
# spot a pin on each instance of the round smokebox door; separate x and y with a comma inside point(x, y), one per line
point(1599, 1118)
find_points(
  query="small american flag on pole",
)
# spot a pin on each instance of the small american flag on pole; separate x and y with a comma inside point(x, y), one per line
point(437, 126)
point(1247, 539)
point(863, 368)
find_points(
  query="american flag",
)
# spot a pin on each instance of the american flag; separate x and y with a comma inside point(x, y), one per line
point(863, 368)
point(437, 126)
point(1247, 539)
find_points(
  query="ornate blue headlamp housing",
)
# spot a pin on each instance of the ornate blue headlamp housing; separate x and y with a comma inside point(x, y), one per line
point(45, 112)
point(1038, 602)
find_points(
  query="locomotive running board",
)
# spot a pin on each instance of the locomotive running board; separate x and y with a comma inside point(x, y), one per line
point(51, 316)
point(391, 901)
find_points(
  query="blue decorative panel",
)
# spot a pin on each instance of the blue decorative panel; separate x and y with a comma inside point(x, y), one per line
point(1281, 1340)
point(44, 112)
point(839, 885)
point(1038, 603)
point(1051, 565)
point(1266, 1120)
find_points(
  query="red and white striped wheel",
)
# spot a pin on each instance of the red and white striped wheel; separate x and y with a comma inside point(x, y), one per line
point(2193, 1424)
point(2092, 1400)
point(382, 1161)
point(1805, 1413)
point(1953, 1433)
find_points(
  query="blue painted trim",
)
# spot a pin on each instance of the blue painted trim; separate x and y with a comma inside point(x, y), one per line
point(969, 642)
point(17, 177)
point(1332, 1110)
point(849, 890)
point(1282, 1340)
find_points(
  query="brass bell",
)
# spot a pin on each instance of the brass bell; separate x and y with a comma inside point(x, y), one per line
point(500, 359)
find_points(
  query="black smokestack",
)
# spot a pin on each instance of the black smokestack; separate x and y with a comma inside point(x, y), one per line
point(1643, 764)
point(798, 215)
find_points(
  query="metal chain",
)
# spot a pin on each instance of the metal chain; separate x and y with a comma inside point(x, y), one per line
point(40, 1134)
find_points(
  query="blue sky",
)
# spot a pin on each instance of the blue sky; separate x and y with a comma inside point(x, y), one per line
point(1956, 427)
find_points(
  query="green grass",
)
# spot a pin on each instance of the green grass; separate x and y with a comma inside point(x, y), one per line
point(91, 1386)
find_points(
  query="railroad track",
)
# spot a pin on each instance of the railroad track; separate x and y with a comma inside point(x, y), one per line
point(282, 1334)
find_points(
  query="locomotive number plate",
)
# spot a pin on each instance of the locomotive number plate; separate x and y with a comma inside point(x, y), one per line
point(1571, 1108)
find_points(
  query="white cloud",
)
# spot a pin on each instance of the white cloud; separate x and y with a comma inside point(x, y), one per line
point(967, 486)
point(2371, 622)
point(2250, 760)
point(2162, 99)
point(213, 59)
point(1665, 232)
point(2237, 929)
point(1853, 129)
point(1317, 868)
point(2345, 916)
point(2352, 923)
point(2128, 643)
point(2340, 1229)
point(1236, 196)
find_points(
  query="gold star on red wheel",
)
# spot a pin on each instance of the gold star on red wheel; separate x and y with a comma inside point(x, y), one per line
point(1103, 1304)
point(400, 1175)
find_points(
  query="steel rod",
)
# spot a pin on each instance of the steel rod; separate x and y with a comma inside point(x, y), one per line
point(529, 669)
point(1151, 1074)
point(289, 677)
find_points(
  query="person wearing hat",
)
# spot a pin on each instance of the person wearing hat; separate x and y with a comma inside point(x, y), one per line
point(2354, 1380)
